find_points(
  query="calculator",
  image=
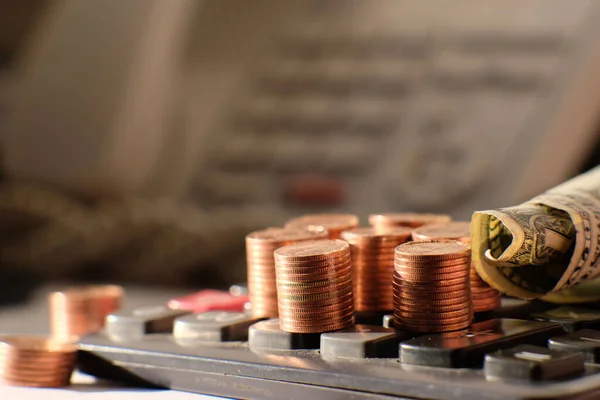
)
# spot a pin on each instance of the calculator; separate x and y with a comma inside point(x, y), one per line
point(522, 350)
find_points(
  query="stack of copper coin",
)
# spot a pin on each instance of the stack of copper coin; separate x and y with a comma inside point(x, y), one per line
point(80, 310)
point(314, 286)
point(485, 298)
point(334, 223)
point(431, 286)
point(407, 219)
point(373, 265)
point(260, 246)
point(36, 361)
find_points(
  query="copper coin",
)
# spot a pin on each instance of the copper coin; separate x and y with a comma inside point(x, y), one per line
point(283, 235)
point(412, 307)
point(431, 322)
point(456, 230)
point(312, 250)
point(335, 222)
point(433, 329)
point(315, 297)
point(307, 291)
point(311, 267)
point(374, 234)
point(430, 315)
point(317, 329)
point(432, 250)
point(407, 219)
point(460, 270)
point(315, 318)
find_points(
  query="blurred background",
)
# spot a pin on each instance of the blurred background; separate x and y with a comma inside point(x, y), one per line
point(140, 140)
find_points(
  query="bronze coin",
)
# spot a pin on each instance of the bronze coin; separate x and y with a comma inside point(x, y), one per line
point(407, 219)
point(338, 222)
point(316, 250)
point(284, 235)
point(456, 230)
point(432, 250)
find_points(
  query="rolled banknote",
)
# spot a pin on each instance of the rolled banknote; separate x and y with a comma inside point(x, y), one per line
point(545, 247)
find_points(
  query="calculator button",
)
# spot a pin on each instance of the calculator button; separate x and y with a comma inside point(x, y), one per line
point(362, 341)
point(268, 335)
point(533, 363)
point(133, 324)
point(468, 348)
point(388, 321)
point(213, 326)
point(585, 341)
point(572, 318)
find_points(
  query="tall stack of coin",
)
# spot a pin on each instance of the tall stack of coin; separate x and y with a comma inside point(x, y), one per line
point(407, 219)
point(431, 286)
point(80, 310)
point(36, 361)
point(373, 265)
point(334, 223)
point(314, 286)
point(260, 246)
point(485, 298)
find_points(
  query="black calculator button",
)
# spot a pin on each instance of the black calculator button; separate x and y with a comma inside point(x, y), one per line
point(585, 341)
point(572, 318)
point(388, 321)
point(213, 326)
point(135, 323)
point(269, 336)
point(468, 348)
point(533, 363)
point(362, 341)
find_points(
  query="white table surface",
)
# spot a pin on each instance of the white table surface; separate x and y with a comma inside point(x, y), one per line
point(32, 318)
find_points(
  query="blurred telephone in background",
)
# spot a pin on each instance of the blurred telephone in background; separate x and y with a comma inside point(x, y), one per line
point(308, 105)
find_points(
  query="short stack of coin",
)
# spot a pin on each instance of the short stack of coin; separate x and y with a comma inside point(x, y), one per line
point(36, 361)
point(373, 265)
point(413, 220)
point(431, 286)
point(334, 223)
point(80, 310)
point(485, 298)
point(314, 286)
point(260, 246)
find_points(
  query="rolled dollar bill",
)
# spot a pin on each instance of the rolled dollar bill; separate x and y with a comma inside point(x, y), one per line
point(544, 247)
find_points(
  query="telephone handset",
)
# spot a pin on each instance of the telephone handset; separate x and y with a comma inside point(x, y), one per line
point(397, 105)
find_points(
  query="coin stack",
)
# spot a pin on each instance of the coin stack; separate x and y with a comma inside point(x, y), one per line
point(407, 219)
point(80, 310)
point(431, 286)
point(36, 361)
point(334, 223)
point(373, 265)
point(314, 286)
point(260, 246)
point(485, 298)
